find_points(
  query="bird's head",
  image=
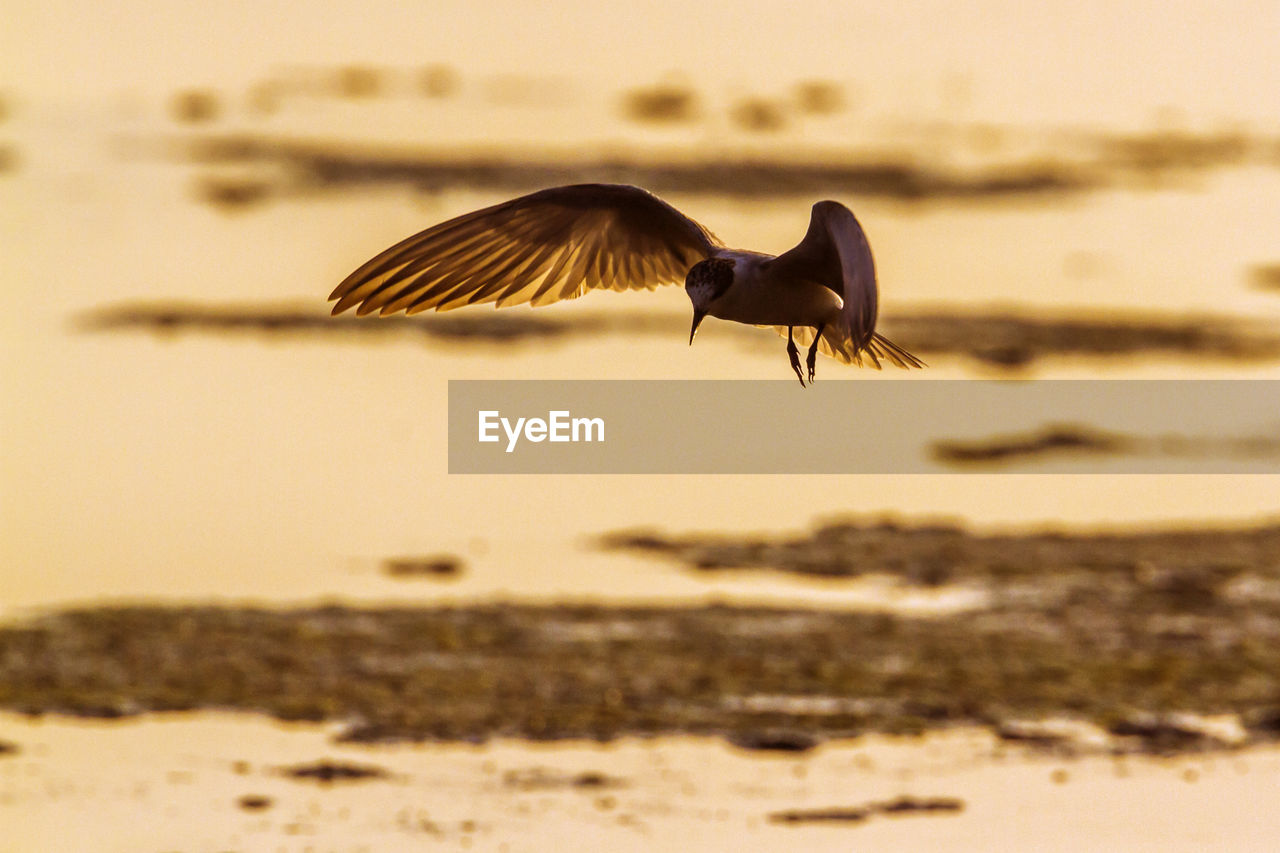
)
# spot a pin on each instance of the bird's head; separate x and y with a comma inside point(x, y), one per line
point(706, 282)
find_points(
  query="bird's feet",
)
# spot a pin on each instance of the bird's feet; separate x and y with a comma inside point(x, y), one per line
point(811, 361)
point(794, 354)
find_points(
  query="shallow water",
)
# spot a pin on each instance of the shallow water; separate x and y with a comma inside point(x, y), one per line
point(287, 469)
point(279, 468)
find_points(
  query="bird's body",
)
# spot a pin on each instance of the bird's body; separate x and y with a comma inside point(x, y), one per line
point(561, 242)
point(758, 298)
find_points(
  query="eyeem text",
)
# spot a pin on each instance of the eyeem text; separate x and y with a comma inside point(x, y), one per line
point(559, 426)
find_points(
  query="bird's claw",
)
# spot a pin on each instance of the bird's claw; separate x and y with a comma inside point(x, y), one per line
point(812, 358)
point(795, 364)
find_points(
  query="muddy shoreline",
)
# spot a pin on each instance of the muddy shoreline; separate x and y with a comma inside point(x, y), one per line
point(1135, 634)
point(766, 679)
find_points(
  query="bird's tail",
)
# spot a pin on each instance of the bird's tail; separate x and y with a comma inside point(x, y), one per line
point(881, 347)
point(840, 346)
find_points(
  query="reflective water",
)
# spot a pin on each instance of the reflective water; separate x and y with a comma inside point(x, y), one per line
point(286, 469)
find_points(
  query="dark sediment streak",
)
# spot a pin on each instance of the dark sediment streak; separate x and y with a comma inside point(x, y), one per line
point(857, 814)
point(1073, 161)
point(1015, 337)
point(328, 772)
point(435, 566)
point(1003, 339)
point(1055, 440)
point(1266, 277)
point(551, 779)
point(301, 166)
point(483, 327)
point(1193, 561)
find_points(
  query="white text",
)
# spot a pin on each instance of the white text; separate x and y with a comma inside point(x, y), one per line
point(558, 427)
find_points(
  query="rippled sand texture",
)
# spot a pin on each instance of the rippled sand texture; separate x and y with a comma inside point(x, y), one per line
point(214, 782)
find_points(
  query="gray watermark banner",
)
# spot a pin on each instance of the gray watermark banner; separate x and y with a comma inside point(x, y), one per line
point(877, 426)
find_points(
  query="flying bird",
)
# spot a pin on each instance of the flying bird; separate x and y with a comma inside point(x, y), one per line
point(561, 242)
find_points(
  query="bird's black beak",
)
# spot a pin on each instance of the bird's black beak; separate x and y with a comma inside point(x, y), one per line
point(697, 320)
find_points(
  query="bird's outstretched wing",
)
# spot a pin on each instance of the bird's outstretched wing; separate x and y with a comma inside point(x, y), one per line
point(553, 244)
point(835, 253)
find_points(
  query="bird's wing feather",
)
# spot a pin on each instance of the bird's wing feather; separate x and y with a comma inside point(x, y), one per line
point(550, 245)
point(835, 253)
